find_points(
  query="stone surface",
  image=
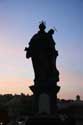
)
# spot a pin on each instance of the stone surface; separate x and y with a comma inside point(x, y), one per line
point(51, 120)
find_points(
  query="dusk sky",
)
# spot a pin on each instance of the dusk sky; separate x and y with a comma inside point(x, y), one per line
point(19, 20)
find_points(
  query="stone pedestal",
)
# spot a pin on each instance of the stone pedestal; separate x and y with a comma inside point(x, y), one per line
point(45, 99)
point(50, 119)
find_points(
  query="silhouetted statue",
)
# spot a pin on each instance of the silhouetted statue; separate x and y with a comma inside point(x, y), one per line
point(43, 54)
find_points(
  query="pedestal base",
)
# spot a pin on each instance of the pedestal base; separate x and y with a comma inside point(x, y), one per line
point(51, 92)
point(51, 120)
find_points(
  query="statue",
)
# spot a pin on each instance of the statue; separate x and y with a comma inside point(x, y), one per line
point(43, 54)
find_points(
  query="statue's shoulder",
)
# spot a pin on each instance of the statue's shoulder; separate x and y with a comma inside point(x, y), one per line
point(34, 37)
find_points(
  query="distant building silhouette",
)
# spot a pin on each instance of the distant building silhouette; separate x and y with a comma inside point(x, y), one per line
point(78, 98)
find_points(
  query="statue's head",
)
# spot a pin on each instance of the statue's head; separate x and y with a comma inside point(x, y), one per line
point(42, 26)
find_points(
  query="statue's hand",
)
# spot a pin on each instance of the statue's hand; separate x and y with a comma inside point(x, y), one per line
point(26, 49)
point(28, 52)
